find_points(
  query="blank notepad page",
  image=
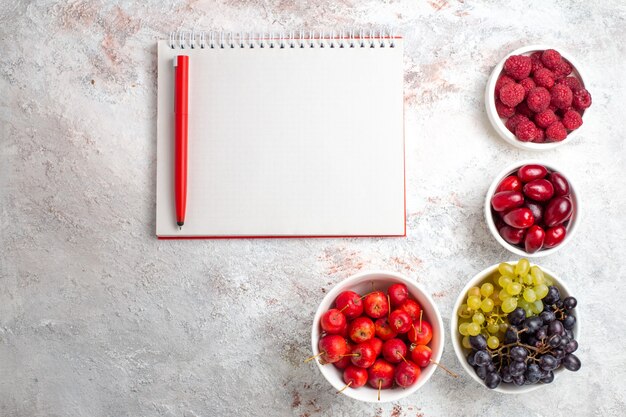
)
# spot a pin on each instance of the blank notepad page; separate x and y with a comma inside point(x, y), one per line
point(286, 142)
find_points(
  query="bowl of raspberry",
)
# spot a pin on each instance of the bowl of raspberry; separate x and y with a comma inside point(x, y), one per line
point(536, 98)
point(532, 209)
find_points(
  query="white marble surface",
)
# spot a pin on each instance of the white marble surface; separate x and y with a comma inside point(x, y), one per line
point(98, 318)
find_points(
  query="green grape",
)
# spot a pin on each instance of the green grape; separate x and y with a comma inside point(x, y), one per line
point(464, 311)
point(522, 267)
point(523, 304)
point(494, 278)
point(509, 304)
point(529, 312)
point(537, 306)
point(507, 270)
point(493, 328)
point(473, 329)
point(486, 289)
point(473, 291)
point(493, 342)
point(473, 302)
point(541, 291)
point(527, 279)
point(537, 274)
point(478, 318)
point(503, 327)
point(466, 343)
point(504, 281)
point(463, 328)
point(529, 295)
point(514, 288)
point(496, 300)
point(503, 295)
point(487, 305)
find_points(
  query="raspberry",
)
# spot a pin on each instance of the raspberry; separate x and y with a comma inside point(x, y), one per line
point(538, 99)
point(561, 112)
point(535, 58)
point(571, 82)
point(562, 69)
point(512, 94)
point(526, 131)
point(544, 78)
point(550, 58)
point(545, 118)
point(523, 109)
point(504, 110)
point(572, 120)
point(540, 137)
point(561, 96)
point(512, 123)
point(582, 99)
point(556, 132)
point(502, 81)
point(518, 66)
point(528, 85)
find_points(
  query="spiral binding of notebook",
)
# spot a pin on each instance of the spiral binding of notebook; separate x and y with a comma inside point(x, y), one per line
point(191, 39)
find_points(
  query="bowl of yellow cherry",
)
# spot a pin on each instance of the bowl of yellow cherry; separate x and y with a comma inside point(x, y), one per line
point(515, 327)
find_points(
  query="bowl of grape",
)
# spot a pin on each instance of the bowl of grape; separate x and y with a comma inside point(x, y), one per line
point(515, 327)
point(377, 337)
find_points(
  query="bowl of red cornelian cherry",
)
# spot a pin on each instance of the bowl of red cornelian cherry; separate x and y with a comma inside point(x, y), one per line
point(377, 337)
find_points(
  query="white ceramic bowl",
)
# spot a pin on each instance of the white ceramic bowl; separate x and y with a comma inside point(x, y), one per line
point(362, 284)
point(571, 227)
point(490, 102)
point(461, 352)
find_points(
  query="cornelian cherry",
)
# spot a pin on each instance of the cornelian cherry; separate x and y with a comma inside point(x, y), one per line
point(375, 304)
point(421, 355)
point(354, 376)
point(398, 293)
point(361, 329)
point(421, 333)
point(406, 374)
point(412, 307)
point(364, 355)
point(383, 329)
point(333, 321)
point(350, 304)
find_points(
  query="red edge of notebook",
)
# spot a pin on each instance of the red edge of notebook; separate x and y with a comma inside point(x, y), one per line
point(313, 236)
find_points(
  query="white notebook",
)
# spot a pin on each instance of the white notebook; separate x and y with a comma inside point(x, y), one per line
point(305, 138)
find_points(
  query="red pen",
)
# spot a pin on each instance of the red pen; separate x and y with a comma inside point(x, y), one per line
point(181, 105)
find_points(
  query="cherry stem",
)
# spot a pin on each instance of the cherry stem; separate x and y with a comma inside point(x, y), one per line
point(380, 385)
point(445, 369)
point(346, 386)
point(351, 354)
point(313, 357)
point(421, 314)
point(388, 308)
point(404, 359)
